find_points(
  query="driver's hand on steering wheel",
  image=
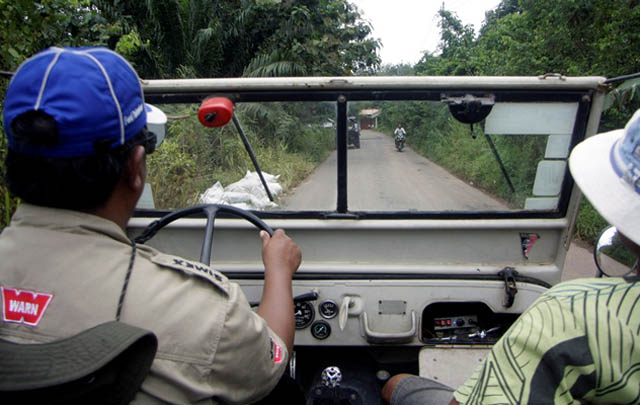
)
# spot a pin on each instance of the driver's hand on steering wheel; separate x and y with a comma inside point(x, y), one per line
point(280, 253)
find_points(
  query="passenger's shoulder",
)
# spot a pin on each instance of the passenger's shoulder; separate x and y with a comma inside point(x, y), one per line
point(588, 286)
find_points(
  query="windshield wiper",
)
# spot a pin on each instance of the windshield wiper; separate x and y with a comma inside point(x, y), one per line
point(471, 110)
point(216, 112)
point(247, 146)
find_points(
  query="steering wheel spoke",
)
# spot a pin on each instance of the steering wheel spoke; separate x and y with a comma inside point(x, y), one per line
point(210, 211)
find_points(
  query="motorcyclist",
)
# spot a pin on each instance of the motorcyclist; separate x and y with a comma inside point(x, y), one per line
point(399, 135)
point(399, 132)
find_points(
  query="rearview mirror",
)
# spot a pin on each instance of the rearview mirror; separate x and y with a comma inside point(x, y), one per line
point(613, 258)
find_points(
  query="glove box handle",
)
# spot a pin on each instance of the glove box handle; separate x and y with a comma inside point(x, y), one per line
point(388, 337)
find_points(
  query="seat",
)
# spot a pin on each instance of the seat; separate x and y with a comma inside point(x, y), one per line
point(102, 365)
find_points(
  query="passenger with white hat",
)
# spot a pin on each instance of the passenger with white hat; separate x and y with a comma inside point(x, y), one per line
point(580, 341)
point(606, 167)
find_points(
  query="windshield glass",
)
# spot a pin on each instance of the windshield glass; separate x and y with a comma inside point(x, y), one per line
point(433, 153)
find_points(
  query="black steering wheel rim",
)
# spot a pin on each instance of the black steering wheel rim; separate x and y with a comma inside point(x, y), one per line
point(210, 211)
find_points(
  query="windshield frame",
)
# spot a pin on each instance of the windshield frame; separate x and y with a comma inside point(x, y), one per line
point(585, 91)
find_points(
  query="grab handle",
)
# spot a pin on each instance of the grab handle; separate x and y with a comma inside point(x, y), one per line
point(389, 337)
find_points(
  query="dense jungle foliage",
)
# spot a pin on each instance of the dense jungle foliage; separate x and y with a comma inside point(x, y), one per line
point(524, 38)
point(258, 38)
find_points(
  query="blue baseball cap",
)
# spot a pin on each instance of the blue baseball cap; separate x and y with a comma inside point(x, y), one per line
point(91, 93)
point(606, 167)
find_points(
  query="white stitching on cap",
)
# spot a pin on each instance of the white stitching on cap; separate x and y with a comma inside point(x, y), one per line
point(96, 50)
point(125, 61)
point(111, 90)
point(36, 56)
point(46, 77)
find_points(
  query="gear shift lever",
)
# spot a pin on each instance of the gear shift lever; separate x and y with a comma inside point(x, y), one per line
point(331, 377)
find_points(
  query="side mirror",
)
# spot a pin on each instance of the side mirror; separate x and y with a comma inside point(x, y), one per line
point(613, 258)
point(156, 122)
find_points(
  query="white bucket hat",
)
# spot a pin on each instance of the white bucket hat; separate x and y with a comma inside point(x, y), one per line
point(606, 167)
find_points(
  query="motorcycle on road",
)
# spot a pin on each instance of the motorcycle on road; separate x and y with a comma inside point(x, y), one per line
point(399, 137)
point(399, 142)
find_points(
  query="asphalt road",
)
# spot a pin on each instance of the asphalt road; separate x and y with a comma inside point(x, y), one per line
point(579, 262)
point(381, 178)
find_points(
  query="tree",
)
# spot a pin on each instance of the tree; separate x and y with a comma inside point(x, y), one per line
point(328, 37)
point(456, 49)
point(597, 37)
point(206, 38)
point(402, 69)
point(171, 38)
point(29, 27)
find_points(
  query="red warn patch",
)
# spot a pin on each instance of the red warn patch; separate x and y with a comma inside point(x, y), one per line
point(25, 307)
point(276, 352)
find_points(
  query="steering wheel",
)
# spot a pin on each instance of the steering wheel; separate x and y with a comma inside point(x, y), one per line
point(211, 211)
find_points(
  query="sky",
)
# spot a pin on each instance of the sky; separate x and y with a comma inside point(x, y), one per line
point(407, 28)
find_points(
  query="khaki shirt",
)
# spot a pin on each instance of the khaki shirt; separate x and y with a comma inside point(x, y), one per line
point(211, 346)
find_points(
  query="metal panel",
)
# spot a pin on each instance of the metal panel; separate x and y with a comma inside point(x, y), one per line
point(531, 118)
point(558, 146)
point(541, 203)
point(549, 178)
point(451, 365)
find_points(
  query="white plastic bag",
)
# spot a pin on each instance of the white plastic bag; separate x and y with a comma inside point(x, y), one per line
point(246, 193)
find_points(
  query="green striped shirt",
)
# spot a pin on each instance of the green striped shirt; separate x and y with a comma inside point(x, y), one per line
point(579, 342)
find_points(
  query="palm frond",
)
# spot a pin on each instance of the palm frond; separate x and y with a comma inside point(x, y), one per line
point(272, 65)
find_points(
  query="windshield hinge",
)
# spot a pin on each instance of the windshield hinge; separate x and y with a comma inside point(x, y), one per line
point(509, 275)
point(558, 76)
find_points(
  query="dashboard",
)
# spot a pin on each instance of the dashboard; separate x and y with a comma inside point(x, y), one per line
point(406, 312)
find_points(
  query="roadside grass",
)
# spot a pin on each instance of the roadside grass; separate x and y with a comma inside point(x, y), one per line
point(193, 158)
point(589, 223)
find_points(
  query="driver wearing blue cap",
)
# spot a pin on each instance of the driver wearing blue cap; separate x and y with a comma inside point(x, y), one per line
point(75, 122)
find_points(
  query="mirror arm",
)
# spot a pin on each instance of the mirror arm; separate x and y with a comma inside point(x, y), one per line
point(471, 110)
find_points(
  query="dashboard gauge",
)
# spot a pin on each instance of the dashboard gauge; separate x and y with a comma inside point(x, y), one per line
point(328, 309)
point(304, 313)
point(320, 330)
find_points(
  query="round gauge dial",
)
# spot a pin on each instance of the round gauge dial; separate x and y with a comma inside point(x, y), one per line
point(320, 330)
point(304, 313)
point(328, 309)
